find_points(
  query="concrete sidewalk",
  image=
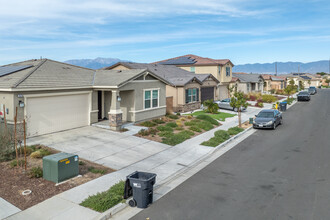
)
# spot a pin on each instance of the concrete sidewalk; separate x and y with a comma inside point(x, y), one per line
point(7, 209)
point(165, 164)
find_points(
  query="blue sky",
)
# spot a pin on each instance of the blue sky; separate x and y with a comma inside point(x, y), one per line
point(148, 30)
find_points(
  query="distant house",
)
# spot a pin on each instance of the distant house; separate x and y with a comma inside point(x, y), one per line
point(305, 78)
point(221, 69)
point(185, 91)
point(54, 96)
point(272, 82)
point(247, 82)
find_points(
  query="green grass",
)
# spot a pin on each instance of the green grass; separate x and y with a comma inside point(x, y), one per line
point(94, 170)
point(221, 136)
point(178, 138)
point(148, 124)
point(171, 124)
point(106, 200)
point(235, 130)
point(220, 116)
point(164, 128)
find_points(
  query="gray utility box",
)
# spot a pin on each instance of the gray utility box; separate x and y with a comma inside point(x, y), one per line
point(60, 167)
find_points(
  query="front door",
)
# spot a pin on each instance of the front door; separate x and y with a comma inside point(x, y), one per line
point(207, 93)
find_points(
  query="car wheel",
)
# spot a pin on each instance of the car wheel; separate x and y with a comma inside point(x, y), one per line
point(274, 126)
point(235, 109)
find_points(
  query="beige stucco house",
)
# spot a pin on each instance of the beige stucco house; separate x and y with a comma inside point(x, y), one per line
point(247, 83)
point(185, 91)
point(221, 69)
point(53, 96)
point(272, 82)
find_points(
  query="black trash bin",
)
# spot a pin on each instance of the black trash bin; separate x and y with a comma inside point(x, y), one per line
point(283, 106)
point(142, 184)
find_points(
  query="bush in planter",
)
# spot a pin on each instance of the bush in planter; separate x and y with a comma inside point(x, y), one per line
point(171, 124)
point(158, 121)
point(222, 134)
point(36, 172)
point(208, 119)
point(269, 98)
point(259, 104)
point(164, 128)
point(148, 124)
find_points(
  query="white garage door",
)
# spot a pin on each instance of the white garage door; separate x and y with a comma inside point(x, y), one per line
point(56, 113)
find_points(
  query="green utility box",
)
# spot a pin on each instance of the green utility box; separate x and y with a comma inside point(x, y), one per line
point(60, 167)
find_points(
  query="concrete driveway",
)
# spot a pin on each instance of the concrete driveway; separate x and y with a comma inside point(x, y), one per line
point(112, 149)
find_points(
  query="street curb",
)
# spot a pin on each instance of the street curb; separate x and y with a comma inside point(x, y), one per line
point(112, 211)
point(231, 139)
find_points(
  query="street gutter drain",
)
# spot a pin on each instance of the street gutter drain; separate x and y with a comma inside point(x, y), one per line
point(26, 192)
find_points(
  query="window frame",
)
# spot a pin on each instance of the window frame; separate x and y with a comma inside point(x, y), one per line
point(192, 95)
point(151, 98)
point(227, 72)
point(192, 69)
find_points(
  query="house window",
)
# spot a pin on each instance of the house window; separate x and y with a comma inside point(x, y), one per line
point(192, 95)
point(227, 71)
point(192, 69)
point(248, 87)
point(151, 98)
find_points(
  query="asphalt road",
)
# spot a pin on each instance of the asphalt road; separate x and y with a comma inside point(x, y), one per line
point(281, 174)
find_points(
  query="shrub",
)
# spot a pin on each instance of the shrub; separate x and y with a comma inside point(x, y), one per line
point(148, 124)
point(152, 131)
point(211, 107)
point(205, 125)
point(94, 170)
point(235, 130)
point(143, 132)
point(106, 200)
point(14, 163)
point(269, 98)
point(7, 155)
point(253, 98)
point(195, 128)
point(182, 119)
point(36, 172)
point(259, 103)
point(186, 134)
point(179, 128)
point(189, 117)
point(158, 121)
point(178, 138)
point(166, 134)
point(208, 119)
point(171, 124)
point(222, 134)
point(179, 123)
point(164, 128)
point(81, 163)
point(40, 153)
point(178, 114)
point(173, 116)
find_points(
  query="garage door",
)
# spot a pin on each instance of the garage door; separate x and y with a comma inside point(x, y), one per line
point(207, 93)
point(56, 113)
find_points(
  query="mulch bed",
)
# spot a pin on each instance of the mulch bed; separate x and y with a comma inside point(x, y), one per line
point(13, 181)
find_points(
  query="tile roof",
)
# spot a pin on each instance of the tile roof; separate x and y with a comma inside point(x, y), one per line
point(248, 77)
point(115, 78)
point(172, 74)
point(45, 73)
point(191, 59)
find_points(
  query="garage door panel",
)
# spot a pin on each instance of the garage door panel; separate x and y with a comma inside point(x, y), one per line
point(207, 93)
point(56, 113)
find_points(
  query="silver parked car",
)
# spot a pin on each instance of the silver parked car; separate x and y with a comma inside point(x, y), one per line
point(225, 104)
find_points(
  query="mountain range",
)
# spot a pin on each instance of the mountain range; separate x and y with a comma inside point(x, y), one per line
point(284, 67)
point(268, 68)
point(95, 63)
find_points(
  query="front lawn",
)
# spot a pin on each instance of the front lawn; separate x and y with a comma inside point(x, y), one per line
point(174, 129)
point(220, 116)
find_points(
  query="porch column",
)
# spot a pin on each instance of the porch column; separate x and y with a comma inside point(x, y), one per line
point(115, 114)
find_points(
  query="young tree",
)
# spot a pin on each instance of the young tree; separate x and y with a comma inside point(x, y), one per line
point(291, 82)
point(309, 82)
point(238, 102)
point(301, 85)
point(231, 89)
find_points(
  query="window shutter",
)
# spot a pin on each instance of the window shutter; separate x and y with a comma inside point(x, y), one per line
point(197, 94)
point(187, 96)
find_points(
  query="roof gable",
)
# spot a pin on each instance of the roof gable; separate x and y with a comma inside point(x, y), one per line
point(191, 59)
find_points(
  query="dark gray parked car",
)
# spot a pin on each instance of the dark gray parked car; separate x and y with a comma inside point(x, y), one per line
point(225, 104)
point(303, 96)
point(312, 90)
point(268, 118)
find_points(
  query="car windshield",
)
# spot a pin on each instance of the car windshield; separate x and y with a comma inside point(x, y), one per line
point(303, 93)
point(265, 115)
point(311, 89)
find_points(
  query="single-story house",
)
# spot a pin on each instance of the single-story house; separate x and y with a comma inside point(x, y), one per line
point(185, 90)
point(247, 83)
point(53, 96)
point(272, 82)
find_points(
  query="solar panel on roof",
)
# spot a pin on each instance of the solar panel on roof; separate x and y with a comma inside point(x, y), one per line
point(5, 70)
point(305, 77)
point(179, 61)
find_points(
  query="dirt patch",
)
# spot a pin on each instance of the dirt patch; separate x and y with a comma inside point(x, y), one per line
point(246, 125)
point(13, 181)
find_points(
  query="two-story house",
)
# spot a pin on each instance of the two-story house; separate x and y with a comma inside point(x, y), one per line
point(221, 69)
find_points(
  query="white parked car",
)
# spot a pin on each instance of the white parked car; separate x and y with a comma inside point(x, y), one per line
point(225, 104)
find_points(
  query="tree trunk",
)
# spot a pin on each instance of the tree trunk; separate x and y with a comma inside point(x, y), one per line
point(239, 119)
